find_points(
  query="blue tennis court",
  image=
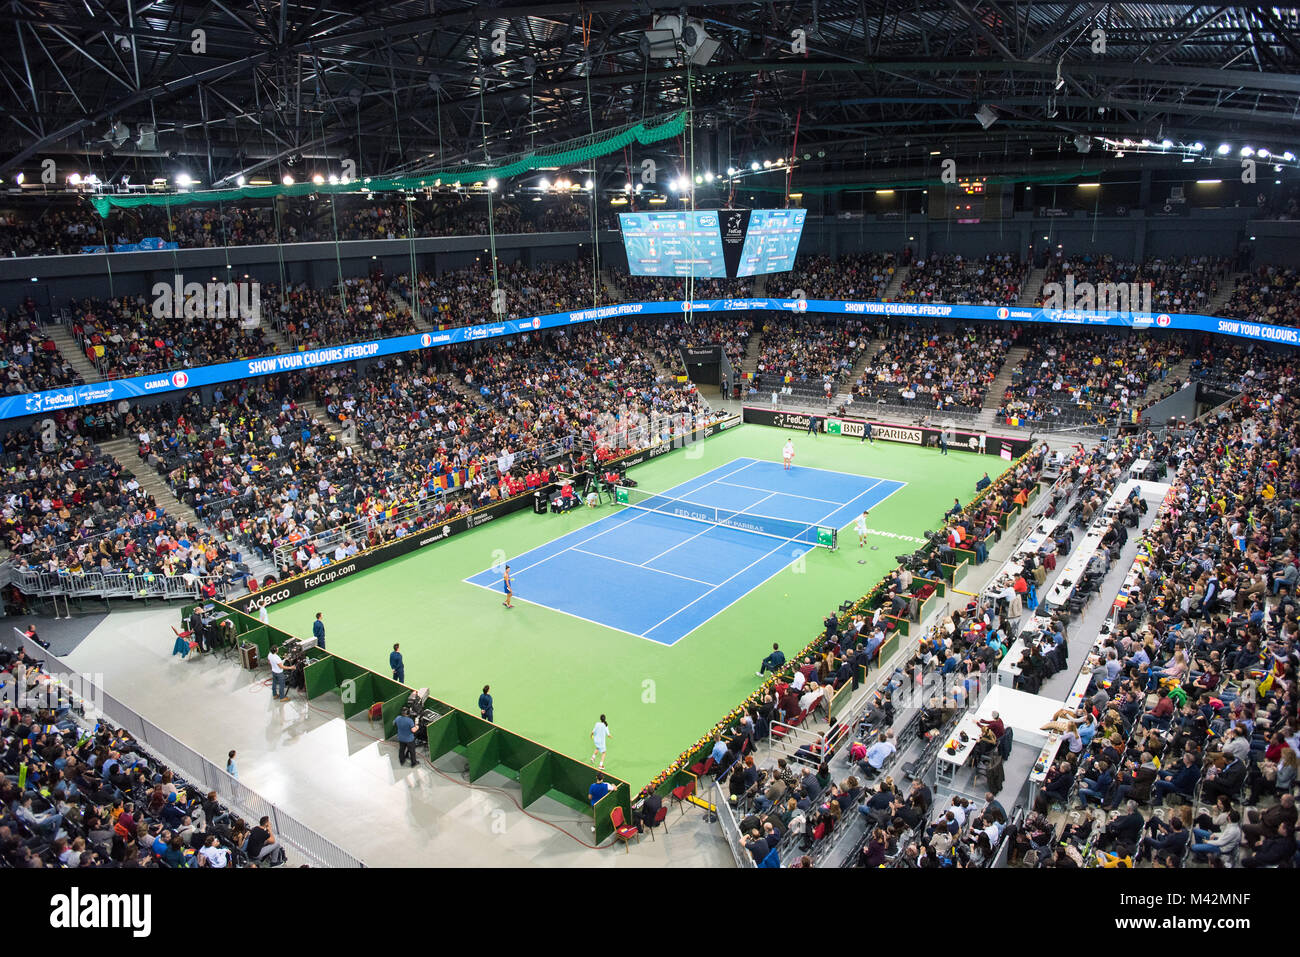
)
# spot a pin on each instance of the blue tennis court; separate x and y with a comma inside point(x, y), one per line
point(660, 576)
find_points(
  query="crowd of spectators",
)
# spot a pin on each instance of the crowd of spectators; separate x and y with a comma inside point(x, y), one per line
point(1267, 294)
point(994, 280)
point(362, 309)
point(813, 353)
point(70, 508)
point(921, 366)
point(1189, 733)
point(82, 794)
point(857, 276)
point(30, 360)
point(1070, 377)
point(124, 337)
point(1188, 284)
point(67, 228)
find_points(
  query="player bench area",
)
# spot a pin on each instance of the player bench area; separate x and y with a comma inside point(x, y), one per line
point(670, 561)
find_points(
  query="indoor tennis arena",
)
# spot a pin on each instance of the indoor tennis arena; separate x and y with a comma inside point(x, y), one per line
point(824, 435)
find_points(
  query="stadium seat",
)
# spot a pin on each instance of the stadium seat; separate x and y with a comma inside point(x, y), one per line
point(622, 830)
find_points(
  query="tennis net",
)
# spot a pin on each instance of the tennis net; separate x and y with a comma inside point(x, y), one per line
point(822, 536)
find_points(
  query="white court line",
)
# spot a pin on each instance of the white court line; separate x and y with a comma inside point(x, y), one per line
point(590, 621)
point(752, 488)
point(763, 557)
point(640, 513)
point(807, 548)
point(657, 571)
point(812, 468)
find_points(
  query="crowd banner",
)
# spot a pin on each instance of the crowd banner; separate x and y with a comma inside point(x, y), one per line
point(52, 400)
point(890, 432)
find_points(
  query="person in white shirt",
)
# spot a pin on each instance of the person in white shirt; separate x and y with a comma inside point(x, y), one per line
point(861, 526)
point(787, 454)
point(214, 853)
point(279, 680)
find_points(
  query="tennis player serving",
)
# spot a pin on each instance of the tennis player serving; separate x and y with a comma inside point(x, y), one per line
point(787, 454)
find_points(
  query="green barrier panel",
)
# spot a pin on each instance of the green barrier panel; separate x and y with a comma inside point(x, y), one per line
point(884, 652)
point(925, 606)
point(345, 669)
point(516, 751)
point(483, 753)
point(674, 780)
point(392, 708)
point(965, 553)
point(471, 726)
point(841, 700)
point(1008, 518)
point(386, 687)
point(959, 572)
point(320, 677)
point(258, 636)
point(356, 694)
point(619, 797)
point(444, 735)
point(535, 778)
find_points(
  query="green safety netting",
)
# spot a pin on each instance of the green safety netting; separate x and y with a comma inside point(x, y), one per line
point(562, 154)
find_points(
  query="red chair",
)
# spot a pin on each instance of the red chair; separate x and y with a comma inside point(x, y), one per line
point(682, 792)
point(624, 832)
point(701, 768)
point(660, 816)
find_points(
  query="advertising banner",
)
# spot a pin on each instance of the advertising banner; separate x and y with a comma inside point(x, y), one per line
point(69, 397)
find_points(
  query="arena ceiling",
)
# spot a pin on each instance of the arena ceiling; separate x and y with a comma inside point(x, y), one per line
point(865, 85)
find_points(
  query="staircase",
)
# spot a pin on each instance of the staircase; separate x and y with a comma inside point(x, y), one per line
point(864, 359)
point(404, 307)
point(993, 397)
point(341, 435)
point(1226, 289)
point(890, 293)
point(613, 289)
point(126, 451)
point(69, 349)
point(1033, 286)
point(760, 287)
point(281, 341)
point(1161, 388)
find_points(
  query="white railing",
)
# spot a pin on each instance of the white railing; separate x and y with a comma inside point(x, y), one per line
point(199, 771)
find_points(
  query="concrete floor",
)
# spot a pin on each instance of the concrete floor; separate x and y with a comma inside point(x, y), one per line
point(336, 777)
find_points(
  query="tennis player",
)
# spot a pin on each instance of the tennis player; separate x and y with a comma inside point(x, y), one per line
point(599, 736)
point(787, 454)
point(862, 528)
point(505, 582)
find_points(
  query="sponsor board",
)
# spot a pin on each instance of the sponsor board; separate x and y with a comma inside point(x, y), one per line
point(853, 428)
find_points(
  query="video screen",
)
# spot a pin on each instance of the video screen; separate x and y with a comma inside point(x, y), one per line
point(772, 241)
point(673, 244)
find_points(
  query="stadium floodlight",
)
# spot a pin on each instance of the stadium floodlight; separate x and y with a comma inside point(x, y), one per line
point(239, 180)
point(544, 183)
point(288, 179)
point(1263, 153)
point(638, 189)
point(492, 184)
point(75, 179)
point(1198, 146)
point(731, 171)
point(1225, 149)
point(318, 179)
point(588, 185)
point(1166, 144)
point(1247, 151)
point(1288, 156)
point(183, 180)
point(146, 137)
point(334, 179)
point(754, 165)
point(708, 177)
